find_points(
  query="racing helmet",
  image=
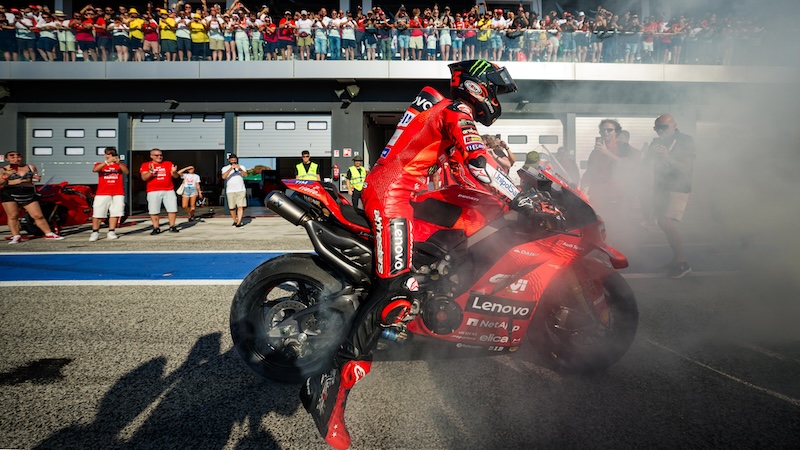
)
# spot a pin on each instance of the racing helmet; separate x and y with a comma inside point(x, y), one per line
point(478, 83)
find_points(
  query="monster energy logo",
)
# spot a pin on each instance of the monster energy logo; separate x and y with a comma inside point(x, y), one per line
point(479, 67)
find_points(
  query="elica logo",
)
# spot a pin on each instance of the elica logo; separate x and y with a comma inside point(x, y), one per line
point(399, 239)
point(496, 306)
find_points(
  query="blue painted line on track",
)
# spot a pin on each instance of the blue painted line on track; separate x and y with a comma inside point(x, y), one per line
point(131, 266)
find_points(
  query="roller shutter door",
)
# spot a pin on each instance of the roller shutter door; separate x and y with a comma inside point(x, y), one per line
point(283, 135)
point(66, 148)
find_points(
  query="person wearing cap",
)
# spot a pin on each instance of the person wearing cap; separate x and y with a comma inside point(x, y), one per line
point(199, 33)
point(235, 190)
point(354, 178)
point(304, 35)
point(169, 40)
point(286, 37)
point(403, 32)
point(136, 27)
point(306, 169)
point(498, 26)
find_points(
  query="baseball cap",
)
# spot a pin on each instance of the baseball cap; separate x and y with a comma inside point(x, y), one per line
point(532, 158)
point(498, 10)
point(133, 11)
point(304, 13)
point(162, 11)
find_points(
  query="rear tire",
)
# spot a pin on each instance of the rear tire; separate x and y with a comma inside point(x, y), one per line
point(269, 295)
point(579, 349)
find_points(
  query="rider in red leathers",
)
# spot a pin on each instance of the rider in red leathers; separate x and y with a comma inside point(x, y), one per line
point(433, 127)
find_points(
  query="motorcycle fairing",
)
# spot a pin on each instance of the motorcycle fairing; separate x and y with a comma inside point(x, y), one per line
point(316, 191)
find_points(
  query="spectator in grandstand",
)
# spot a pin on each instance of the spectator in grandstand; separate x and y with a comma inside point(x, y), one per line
point(348, 29)
point(216, 37)
point(582, 38)
point(484, 27)
point(270, 38)
point(513, 34)
point(286, 35)
point(102, 35)
point(568, 46)
point(169, 40)
point(415, 42)
point(470, 36)
point(47, 37)
point(8, 43)
point(84, 34)
point(648, 38)
point(370, 36)
point(199, 35)
point(256, 37)
point(446, 25)
point(632, 37)
point(385, 37)
point(241, 25)
point(498, 27)
point(599, 29)
point(183, 35)
point(120, 39)
point(403, 33)
point(150, 46)
point(136, 27)
point(304, 35)
point(319, 29)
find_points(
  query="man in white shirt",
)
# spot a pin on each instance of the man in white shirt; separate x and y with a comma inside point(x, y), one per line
point(304, 35)
point(234, 174)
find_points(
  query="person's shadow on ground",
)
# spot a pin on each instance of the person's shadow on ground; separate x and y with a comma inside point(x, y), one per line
point(199, 405)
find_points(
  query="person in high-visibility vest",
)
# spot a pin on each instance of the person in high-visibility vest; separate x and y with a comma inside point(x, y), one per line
point(354, 178)
point(306, 170)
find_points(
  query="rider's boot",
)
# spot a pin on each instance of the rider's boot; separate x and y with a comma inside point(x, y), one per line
point(325, 397)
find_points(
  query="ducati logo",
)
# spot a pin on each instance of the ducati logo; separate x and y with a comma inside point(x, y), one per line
point(412, 284)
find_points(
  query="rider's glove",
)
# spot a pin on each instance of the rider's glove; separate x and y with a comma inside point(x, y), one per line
point(477, 167)
point(526, 204)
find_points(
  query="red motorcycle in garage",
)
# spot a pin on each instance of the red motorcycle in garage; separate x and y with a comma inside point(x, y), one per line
point(488, 278)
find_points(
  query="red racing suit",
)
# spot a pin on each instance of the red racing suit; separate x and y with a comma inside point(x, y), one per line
point(432, 127)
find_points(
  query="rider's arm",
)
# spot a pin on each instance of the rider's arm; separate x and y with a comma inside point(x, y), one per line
point(480, 164)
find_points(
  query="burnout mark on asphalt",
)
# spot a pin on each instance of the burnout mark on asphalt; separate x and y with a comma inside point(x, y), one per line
point(42, 371)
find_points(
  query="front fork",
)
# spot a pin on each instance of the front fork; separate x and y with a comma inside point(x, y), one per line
point(586, 290)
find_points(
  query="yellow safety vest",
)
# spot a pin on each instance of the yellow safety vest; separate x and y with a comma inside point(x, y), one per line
point(357, 175)
point(310, 175)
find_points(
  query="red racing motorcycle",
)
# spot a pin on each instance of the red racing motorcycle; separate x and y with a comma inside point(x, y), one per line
point(489, 279)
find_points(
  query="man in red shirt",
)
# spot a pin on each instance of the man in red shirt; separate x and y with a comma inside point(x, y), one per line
point(109, 200)
point(158, 175)
point(431, 129)
point(286, 29)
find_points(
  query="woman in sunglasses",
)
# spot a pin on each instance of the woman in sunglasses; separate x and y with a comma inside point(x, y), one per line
point(19, 192)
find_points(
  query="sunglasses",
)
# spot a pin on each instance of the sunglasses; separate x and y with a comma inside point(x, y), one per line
point(607, 130)
point(661, 127)
point(158, 155)
point(13, 154)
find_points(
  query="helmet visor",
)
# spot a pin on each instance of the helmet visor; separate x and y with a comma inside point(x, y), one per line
point(502, 80)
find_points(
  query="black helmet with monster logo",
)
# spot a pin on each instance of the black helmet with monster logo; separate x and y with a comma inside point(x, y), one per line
point(478, 83)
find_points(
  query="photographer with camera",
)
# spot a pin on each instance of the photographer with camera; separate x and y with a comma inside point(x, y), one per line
point(235, 191)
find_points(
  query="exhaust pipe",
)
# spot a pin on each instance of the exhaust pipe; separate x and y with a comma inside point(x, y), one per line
point(289, 210)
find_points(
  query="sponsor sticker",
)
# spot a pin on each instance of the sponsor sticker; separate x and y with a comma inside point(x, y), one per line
point(497, 306)
point(473, 147)
point(398, 232)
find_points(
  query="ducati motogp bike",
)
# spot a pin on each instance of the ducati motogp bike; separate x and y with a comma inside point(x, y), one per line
point(487, 279)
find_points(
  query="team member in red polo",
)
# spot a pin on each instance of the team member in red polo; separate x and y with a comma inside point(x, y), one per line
point(158, 175)
point(110, 197)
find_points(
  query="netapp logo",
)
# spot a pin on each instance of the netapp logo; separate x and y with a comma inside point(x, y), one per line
point(491, 324)
point(496, 306)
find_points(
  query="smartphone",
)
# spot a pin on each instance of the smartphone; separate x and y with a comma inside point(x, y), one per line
point(482, 9)
point(598, 140)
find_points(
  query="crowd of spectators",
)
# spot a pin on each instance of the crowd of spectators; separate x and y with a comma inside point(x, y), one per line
point(210, 32)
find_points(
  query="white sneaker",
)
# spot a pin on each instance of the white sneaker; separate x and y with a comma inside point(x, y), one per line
point(94, 236)
point(111, 235)
point(15, 239)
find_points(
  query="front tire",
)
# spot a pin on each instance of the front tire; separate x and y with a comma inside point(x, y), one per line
point(568, 340)
point(263, 314)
